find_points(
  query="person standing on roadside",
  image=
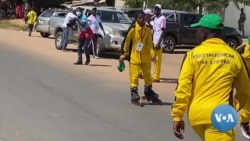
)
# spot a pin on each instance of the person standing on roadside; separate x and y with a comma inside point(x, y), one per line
point(84, 38)
point(159, 27)
point(244, 114)
point(208, 76)
point(67, 24)
point(31, 18)
point(94, 22)
point(241, 22)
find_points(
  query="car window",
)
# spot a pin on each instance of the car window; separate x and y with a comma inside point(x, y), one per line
point(132, 13)
point(170, 17)
point(47, 13)
point(113, 17)
point(190, 19)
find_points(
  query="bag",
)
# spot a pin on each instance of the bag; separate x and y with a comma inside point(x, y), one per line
point(81, 35)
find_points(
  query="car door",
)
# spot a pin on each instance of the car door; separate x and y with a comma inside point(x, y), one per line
point(188, 34)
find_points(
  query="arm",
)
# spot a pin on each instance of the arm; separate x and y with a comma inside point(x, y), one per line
point(163, 28)
point(126, 44)
point(150, 42)
point(241, 82)
point(100, 24)
point(183, 90)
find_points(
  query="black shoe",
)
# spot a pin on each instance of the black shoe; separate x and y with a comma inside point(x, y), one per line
point(245, 129)
point(78, 62)
point(134, 95)
point(87, 63)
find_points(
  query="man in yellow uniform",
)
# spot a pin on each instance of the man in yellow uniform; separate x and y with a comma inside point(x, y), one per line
point(207, 78)
point(31, 20)
point(244, 50)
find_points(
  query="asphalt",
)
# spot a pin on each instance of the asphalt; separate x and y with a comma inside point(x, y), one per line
point(45, 101)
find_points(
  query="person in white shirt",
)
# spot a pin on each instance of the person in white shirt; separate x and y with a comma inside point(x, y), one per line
point(159, 27)
point(67, 24)
point(95, 22)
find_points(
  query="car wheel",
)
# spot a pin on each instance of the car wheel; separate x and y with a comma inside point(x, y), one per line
point(169, 44)
point(232, 42)
point(45, 35)
point(58, 40)
point(100, 47)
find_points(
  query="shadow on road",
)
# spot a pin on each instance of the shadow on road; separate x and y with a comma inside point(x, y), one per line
point(168, 80)
point(42, 37)
point(163, 104)
point(100, 65)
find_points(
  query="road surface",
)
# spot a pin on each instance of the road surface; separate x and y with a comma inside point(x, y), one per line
point(44, 97)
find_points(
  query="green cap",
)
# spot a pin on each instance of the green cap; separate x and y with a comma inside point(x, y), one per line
point(248, 39)
point(210, 21)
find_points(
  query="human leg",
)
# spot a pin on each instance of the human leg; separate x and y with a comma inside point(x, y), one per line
point(79, 52)
point(134, 82)
point(148, 91)
point(157, 66)
point(87, 50)
point(65, 38)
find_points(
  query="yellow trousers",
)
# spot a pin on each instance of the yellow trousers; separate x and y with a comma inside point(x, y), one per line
point(157, 65)
point(208, 133)
point(134, 70)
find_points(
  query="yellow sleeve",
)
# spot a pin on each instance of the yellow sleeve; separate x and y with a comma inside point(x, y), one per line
point(242, 83)
point(127, 43)
point(150, 42)
point(183, 89)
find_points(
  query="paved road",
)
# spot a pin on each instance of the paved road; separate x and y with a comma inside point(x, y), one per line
point(48, 100)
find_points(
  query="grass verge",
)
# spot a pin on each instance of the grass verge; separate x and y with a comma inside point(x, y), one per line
point(5, 24)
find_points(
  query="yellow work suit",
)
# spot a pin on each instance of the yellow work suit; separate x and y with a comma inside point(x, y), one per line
point(208, 75)
point(139, 59)
point(157, 64)
point(31, 17)
point(244, 50)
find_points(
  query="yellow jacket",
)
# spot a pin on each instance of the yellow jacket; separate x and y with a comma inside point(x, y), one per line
point(244, 50)
point(208, 74)
point(137, 34)
point(31, 17)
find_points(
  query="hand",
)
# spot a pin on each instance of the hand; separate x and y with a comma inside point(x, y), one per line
point(178, 128)
point(121, 59)
point(153, 59)
point(157, 46)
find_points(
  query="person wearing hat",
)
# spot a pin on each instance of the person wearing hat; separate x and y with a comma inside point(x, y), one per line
point(244, 115)
point(159, 27)
point(84, 38)
point(208, 76)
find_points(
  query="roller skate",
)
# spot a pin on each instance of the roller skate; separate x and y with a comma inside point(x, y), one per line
point(135, 98)
point(150, 95)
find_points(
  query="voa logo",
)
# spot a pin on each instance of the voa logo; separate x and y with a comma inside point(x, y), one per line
point(224, 117)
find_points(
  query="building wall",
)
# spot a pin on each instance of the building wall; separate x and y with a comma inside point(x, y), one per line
point(119, 3)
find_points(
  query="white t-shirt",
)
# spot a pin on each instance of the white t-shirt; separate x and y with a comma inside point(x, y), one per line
point(69, 16)
point(94, 22)
point(158, 23)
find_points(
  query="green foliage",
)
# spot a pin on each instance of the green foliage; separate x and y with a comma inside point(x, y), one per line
point(187, 5)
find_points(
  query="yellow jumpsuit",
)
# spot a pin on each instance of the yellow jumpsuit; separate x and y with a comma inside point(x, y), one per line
point(139, 60)
point(207, 78)
point(244, 50)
